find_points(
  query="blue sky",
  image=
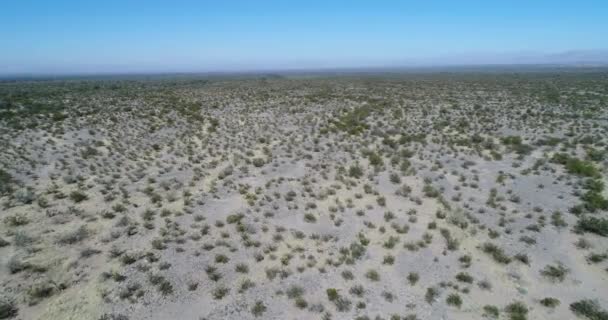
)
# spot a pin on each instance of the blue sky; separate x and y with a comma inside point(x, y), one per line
point(69, 36)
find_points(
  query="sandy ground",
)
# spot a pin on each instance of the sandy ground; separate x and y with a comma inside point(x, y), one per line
point(203, 200)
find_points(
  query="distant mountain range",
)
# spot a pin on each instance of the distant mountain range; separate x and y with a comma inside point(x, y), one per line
point(584, 57)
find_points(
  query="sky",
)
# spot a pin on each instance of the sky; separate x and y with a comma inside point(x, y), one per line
point(133, 36)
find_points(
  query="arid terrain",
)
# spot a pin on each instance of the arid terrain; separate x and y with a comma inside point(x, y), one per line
point(440, 195)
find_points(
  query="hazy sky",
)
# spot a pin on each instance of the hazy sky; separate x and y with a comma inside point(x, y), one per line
point(67, 36)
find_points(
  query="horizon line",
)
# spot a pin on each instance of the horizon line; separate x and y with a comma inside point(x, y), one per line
point(304, 70)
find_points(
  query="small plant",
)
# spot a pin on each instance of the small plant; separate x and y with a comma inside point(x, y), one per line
point(242, 268)
point(557, 220)
point(454, 300)
point(245, 285)
point(523, 258)
point(342, 304)
point(355, 171)
point(497, 253)
point(357, 290)
point(491, 311)
point(581, 168)
point(431, 294)
point(294, 291)
point(451, 243)
point(594, 225)
point(372, 275)
point(413, 278)
point(332, 294)
point(165, 287)
point(348, 275)
point(16, 265)
point(16, 220)
point(22, 239)
point(258, 308)
point(8, 309)
point(78, 196)
point(258, 162)
point(221, 258)
point(517, 311)
point(464, 277)
point(388, 259)
point(192, 285)
point(6, 182)
point(388, 296)
point(597, 257)
point(75, 236)
point(394, 178)
point(301, 303)
point(555, 273)
point(381, 201)
point(550, 302)
point(41, 290)
point(310, 218)
point(589, 309)
point(220, 292)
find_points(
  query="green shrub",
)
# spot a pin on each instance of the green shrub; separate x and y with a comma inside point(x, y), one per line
point(301, 303)
point(78, 196)
point(258, 308)
point(16, 220)
point(332, 294)
point(597, 257)
point(511, 140)
point(342, 304)
point(589, 309)
point(220, 292)
point(242, 268)
point(555, 273)
point(355, 171)
point(593, 201)
point(310, 218)
point(595, 185)
point(464, 277)
point(576, 166)
point(454, 300)
point(6, 182)
point(413, 278)
point(581, 168)
point(375, 159)
point(352, 122)
point(431, 294)
point(596, 154)
point(75, 236)
point(557, 220)
point(221, 258)
point(451, 242)
point(372, 275)
point(594, 225)
point(294, 291)
point(258, 162)
point(550, 302)
point(491, 311)
point(517, 311)
point(165, 287)
point(516, 144)
point(8, 309)
point(40, 291)
point(497, 253)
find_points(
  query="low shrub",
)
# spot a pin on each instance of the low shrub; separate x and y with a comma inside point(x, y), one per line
point(589, 309)
point(594, 225)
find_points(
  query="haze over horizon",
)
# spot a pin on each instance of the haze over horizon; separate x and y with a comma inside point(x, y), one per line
point(67, 36)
